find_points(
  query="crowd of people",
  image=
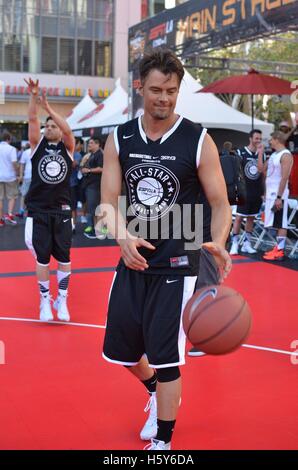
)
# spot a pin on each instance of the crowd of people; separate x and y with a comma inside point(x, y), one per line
point(16, 174)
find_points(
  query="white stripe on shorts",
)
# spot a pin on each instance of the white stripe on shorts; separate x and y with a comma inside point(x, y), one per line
point(29, 235)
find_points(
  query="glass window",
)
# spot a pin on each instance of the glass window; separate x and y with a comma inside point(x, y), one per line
point(85, 28)
point(49, 55)
point(103, 59)
point(104, 9)
point(31, 23)
point(66, 65)
point(12, 54)
point(31, 54)
point(49, 26)
point(84, 57)
point(67, 7)
point(49, 7)
point(13, 18)
point(103, 31)
point(85, 9)
point(67, 26)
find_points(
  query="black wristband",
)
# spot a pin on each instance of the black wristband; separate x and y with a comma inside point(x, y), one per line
point(278, 197)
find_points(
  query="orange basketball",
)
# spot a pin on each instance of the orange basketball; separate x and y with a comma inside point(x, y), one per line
point(217, 320)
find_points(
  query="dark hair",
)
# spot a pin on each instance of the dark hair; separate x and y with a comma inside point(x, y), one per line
point(163, 60)
point(79, 140)
point(6, 136)
point(96, 140)
point(49, 118)
point(254, 131)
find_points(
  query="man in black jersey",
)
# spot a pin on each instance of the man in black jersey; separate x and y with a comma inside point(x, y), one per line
point(252, 159)
point(164, 160)
point(48, 228)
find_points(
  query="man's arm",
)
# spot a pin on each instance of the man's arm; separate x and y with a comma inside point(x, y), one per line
point(110, 192)
point(34, 124)
point(67, 134)
point(286, 167)
point(212, 180)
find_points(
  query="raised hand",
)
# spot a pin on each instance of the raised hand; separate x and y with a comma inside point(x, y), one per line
point(33, 86)
point(43, 100)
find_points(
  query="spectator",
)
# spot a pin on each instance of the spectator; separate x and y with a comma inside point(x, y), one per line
point(8, 178)
point(92, 171)
point(251, 157)
point(74, 181)
point(25, 178)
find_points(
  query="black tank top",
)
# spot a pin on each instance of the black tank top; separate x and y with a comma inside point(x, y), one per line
point(253, 179)
point(161, 177)
point(50, 184)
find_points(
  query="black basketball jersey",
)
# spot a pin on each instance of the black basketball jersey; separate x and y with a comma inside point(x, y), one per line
point(160, 179)
point(253, 179)
point(50, 184)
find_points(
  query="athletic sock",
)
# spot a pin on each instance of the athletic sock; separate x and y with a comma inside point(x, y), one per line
point(150, 384)
point(247, 236)
point(63, 280)
point(235, 237)
point(44, 288)
point(281, 242)
point(165, 430)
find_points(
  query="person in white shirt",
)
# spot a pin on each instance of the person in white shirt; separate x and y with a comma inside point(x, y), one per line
point(8, 178)
point(278, 170)
point(25, 178)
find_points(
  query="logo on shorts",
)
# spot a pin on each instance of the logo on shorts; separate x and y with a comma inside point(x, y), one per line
point(251, 170)
point(153, 190)
point(52, 167)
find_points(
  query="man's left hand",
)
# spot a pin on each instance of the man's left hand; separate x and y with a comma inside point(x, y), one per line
point(221, 257)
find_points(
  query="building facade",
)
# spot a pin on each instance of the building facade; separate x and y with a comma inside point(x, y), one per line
point(71, 46)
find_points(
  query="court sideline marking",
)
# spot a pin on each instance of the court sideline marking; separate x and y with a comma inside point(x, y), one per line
point(88, 325)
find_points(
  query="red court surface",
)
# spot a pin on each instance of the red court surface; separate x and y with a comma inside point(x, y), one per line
point(58, 393)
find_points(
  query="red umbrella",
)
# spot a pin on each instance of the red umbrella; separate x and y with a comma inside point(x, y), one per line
point(253, 83)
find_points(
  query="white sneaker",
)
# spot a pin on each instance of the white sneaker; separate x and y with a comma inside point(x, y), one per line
point(158, 445)
point(247, 248)
point(149, 430)
point(60, 305)
point(234, 248)
point(194, 352)
point(45, 312)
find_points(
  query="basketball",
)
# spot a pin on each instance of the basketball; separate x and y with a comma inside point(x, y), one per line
point(217, 320)
point(149, 191)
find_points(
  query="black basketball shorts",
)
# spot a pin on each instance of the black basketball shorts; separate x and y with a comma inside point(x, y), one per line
point(49, 234)
point(145, 317)
point(251, 208)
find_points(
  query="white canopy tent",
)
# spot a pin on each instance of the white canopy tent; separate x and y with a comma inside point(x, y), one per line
point(111, 111)
point(211, 112)
point(86, 105)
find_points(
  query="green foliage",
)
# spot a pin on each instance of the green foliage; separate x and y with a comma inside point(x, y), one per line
point(284, 50)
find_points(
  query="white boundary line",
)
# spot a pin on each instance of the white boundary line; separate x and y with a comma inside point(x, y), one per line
point(88, 325)
point(51, 322)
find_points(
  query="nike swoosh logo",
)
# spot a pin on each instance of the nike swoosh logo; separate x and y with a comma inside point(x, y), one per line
point(128, 136)
point(170, 282)
point(212, 292)
point(66, 220)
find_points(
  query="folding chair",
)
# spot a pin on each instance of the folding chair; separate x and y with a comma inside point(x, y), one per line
point(292, 227)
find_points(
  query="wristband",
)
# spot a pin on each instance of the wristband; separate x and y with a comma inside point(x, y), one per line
point(278, 197)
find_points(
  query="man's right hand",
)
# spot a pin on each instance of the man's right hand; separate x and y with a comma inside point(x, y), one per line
point(33, 86)
point(130, 255)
